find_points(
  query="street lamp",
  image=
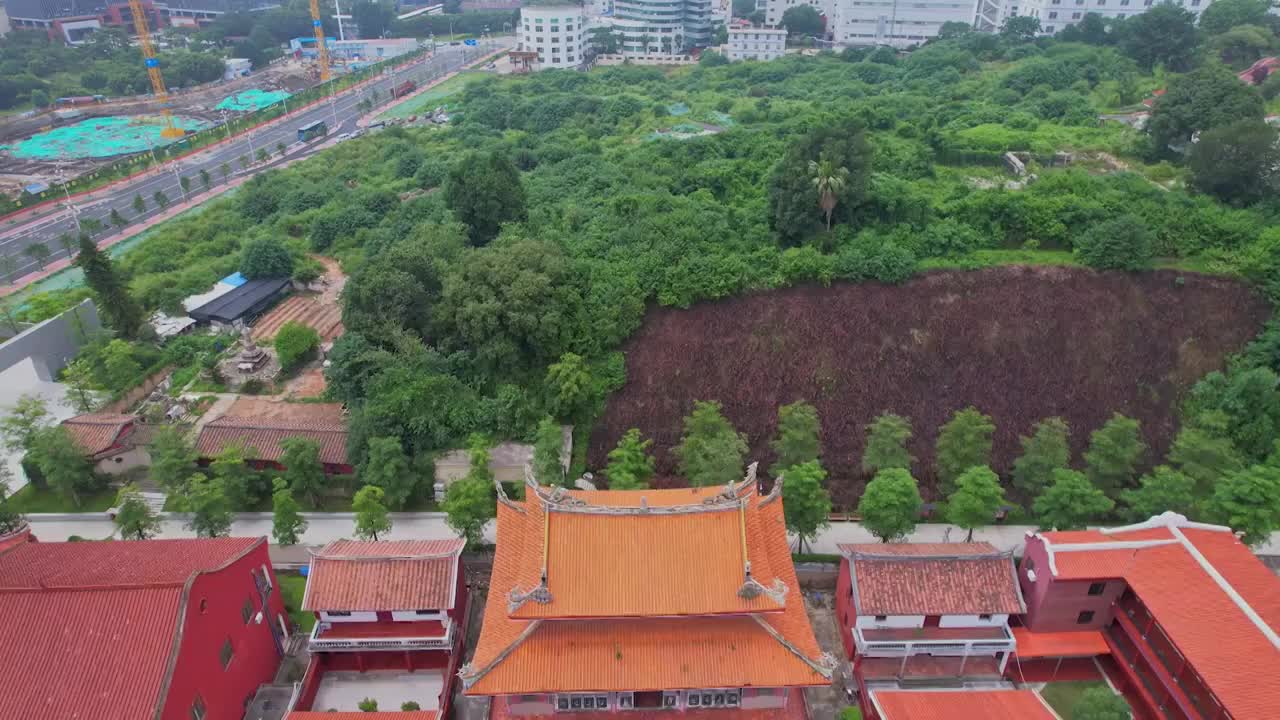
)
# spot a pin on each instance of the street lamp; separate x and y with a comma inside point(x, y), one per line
point(75, 213)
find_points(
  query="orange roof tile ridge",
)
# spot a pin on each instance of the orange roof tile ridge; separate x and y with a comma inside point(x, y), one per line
point(751, 587)
point(825, 665)
point(775, 492)
point(1052, 549)
point(469, 673)
point(559, 499)
point(1226, 587)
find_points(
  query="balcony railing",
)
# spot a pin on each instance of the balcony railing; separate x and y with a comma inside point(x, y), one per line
point(379, 636)
point(900, 642)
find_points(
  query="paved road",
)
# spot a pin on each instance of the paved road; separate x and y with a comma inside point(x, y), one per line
point(339, 113)
point(326, 527)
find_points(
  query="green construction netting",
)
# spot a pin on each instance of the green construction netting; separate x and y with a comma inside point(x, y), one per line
point(250, 100)
point(101, 137)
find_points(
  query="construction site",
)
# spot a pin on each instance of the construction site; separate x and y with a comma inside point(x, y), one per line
point(65, 143)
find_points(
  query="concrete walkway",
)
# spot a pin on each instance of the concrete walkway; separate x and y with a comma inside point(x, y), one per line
point(325, 527)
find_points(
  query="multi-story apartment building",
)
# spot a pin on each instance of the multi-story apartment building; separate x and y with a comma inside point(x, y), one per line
point(1190, 616)
point(603, 602)
point(662, 27)
point(557, 32)
point(390, 621)
point(753, 43)
point(1056, 15)
point(896, 23)
point(909, 612)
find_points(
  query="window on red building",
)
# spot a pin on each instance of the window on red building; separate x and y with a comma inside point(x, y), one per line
point(1085, 617)
point(198, 710)
point(1097, 588)
point(246, 611)
point(226, 654)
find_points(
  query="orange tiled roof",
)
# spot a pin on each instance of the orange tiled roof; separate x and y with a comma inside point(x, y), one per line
point(961, 705)
point(263, 426)
point(602, 565)
point(1079, 643)
point(349, 575)
point(1232, 652)
point(97, 432)
point(932, 579)
point(668, 637)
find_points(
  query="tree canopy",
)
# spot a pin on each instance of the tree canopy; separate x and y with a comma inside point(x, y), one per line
point(964, 442)
point(797, 441)
point(1071, 502)
point(372, 518)
point(1046, 450)
point(484, 191)
point(890, 505)
point(886, 447)
point(630, 464)
point(711, 451)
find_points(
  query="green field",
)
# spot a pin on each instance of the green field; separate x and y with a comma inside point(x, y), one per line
point(32, 499)
point(293, 587)
point(430, 100)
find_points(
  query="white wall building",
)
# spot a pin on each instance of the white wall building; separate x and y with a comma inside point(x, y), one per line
point(754, 43)
point(1056, 15)
point(897, 23)
point(556, 32)
point(4, 22)
point(662, 27)
point(774, 9)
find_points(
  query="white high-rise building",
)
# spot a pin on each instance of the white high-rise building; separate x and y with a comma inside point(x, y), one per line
point(662, 27)
point(897, 23)
point(557, 32)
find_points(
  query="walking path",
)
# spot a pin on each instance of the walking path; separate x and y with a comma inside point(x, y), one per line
point(326, 527)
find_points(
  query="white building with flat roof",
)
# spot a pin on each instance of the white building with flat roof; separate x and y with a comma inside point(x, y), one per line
point(896, 23)
point(757, 43)
point(662, 27)
point(1057, 15)
point(557, 32)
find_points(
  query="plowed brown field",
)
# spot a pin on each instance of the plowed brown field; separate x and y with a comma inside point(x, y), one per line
point(1019, 343)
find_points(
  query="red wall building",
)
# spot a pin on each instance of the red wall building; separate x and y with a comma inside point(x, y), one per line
point(1190, 615)
point(137, 630)
point(391, 618)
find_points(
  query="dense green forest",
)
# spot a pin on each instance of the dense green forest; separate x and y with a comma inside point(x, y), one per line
point(497, 265)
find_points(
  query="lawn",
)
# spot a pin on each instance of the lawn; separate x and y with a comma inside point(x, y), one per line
point(293, 587)
point(1062, 696)
point(32, 499)
point(430, 99)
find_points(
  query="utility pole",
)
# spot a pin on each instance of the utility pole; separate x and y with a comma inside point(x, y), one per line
point(337, 13)
point(75, 213)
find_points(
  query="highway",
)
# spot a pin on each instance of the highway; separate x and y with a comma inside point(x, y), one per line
point(339, 113)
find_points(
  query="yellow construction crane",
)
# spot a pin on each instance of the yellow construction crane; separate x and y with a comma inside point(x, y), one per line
point(153, 69)
point(322, 52)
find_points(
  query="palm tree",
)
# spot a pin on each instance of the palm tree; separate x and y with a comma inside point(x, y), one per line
point(829, 181)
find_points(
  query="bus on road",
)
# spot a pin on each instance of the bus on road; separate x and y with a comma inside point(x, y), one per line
point(311, 131)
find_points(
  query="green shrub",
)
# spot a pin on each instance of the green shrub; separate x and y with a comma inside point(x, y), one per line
point(368, 705)
point(294, 344)
point(409, 706)
point(1120, 244)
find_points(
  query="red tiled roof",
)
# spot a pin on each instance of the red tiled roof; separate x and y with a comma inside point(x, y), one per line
point(384, 575)
point(265, 432)
point(1231, 652)
point(652, 647)
point(1080, 643)
point(932, 579)
point(961, 705)
point(388, 715)
point(95, 433)
point(101, 618)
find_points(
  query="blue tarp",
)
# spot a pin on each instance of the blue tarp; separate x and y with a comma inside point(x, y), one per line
point(235, 280)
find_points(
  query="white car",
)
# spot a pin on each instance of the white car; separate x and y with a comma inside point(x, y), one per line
point(343, 136)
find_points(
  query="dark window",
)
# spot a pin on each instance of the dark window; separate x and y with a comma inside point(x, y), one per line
point(226, 654)
point(881, 618)
point(204, 605)
point(338, 613)
point(984, 617)
point(198, 710)
point(1097, 588)
point(1030, 563)
point(424, 612)
point(1085, 617)
point(562, 703)
point(246, 611)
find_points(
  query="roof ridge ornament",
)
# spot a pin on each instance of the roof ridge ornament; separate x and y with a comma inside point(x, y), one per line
point(775, 492)
point(502, 494)
point(540, 594)
point(752, 589)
